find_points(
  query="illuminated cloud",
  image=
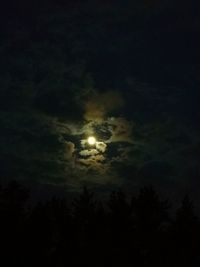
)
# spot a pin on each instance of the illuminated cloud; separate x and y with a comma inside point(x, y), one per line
point(82, 160)
point(69, 149)
point(94, 163)
point(100, 104)
point(121, 130)
point(93, 159)
point(89, 152)
point(101, 146)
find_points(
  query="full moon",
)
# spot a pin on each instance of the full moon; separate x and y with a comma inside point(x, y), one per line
point(91, 140)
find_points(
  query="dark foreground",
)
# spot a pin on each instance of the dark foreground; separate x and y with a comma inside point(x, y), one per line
point(123, 231)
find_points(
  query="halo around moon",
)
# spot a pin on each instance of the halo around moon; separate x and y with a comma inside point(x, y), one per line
point(91, 140)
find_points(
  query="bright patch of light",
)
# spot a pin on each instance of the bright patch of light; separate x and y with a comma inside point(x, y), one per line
point(91, 140)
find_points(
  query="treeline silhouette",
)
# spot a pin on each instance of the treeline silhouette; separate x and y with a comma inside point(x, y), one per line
point(125, 230)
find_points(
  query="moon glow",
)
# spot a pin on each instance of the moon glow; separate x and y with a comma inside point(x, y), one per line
point(91, 140)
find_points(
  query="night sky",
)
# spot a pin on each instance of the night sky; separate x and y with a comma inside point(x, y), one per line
point(124, 72)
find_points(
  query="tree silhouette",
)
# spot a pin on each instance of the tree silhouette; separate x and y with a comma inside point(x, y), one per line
point(186, 235)
point(149, 210)
point(86, 226)
point(123, 231)
point(121, 228)
point(13, 215)
point(150, 215)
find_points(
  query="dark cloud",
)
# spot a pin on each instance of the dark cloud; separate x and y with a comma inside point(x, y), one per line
point(102, 131)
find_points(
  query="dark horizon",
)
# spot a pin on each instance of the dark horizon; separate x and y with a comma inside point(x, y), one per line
point(122, 231)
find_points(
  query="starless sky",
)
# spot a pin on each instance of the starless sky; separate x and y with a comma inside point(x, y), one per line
point(124, 72)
